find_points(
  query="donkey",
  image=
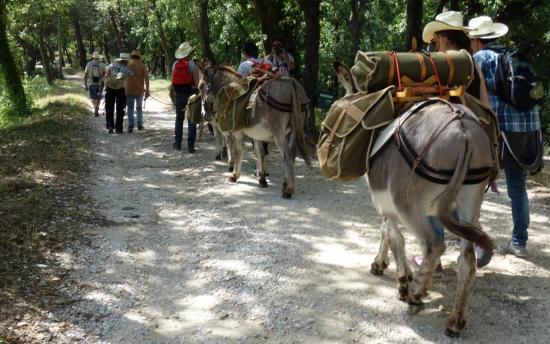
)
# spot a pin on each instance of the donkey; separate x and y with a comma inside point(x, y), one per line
point(449, 138)
point(278, 117)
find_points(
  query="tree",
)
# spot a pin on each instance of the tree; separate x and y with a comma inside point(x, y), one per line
point(414, 24)
point(204, 31)
point(8, 69)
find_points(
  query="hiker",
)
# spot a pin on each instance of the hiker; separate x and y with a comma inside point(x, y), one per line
point(447, 32)
point(134, 86)
point(282, 62)
point(185, 77)
point(93, 80)
point(520, 130)
point(117, 72)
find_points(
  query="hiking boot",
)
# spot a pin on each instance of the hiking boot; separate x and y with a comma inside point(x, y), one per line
point(175, 146)
point(482, 257)
point(110, 130)
point(96, 113)
point(191, 150)
point(510, 248)
point(140, 127)
point(417, 261)
point(130, 129)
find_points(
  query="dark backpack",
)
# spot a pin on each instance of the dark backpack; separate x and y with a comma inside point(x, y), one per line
point(516, 81)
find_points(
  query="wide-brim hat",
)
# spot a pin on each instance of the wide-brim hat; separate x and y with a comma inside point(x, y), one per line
point(96, 55)
point(136, 54)
point(449, 20)
point(123, 57)
point(484, 28)
point(184, 50)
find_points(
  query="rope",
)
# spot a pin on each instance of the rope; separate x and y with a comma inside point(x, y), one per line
point(158, 100)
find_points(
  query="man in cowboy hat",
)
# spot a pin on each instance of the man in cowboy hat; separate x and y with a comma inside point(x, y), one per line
point(185, 77)
point(134, 86)
point(93, 80)
point(520, 130)
point(117, 72)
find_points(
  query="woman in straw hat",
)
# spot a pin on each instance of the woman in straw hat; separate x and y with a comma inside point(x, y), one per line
point(447, 32)
point(520, 128)
point(117, 72)
point(185, 77)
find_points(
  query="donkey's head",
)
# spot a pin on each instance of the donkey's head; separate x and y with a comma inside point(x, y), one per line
point(214, 78)
point(344, 76)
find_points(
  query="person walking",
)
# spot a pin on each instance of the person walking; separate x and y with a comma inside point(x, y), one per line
point(136, 87)
point(93, 80)
point(520, 130)
point(185, 77)
point(115, 94)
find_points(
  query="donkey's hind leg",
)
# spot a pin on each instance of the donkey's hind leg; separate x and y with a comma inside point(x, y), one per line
point(231, 150)
point(397, 245)
point(381, 261)
point(260, 162)
point(288, 152)
point(238, 156)
point(468, 206)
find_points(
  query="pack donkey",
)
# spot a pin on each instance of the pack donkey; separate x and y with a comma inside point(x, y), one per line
point(450, 163)
point(278, 115)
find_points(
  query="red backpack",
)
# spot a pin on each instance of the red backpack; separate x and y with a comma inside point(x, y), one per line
point(181, 74)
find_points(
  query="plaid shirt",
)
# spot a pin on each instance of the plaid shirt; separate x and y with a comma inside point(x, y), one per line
point(115, 68)
point(509, 117)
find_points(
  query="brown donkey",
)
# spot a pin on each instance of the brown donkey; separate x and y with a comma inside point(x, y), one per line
point(450, 172)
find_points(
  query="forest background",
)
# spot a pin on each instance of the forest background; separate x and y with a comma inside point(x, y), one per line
point(39, 38)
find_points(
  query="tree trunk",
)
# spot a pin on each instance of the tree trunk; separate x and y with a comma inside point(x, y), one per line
point(8, 68)
point(106, 49)
point(311, 9)
point(51, 52)
point(162, 36)
point(69, 58)
point(118, 34)
point(204, 32)
point(45, 59)
point(270, 14)
point(80, 50)
point(455, 5)
point(414, 25)
point(357, 22)
point(61, 61)
point(31, 52)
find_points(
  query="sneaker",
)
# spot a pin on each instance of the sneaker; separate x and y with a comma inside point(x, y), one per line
point(417, 261)
point(96, 113)
point(140, 127)
point(482, 257)
point(510, 248)
point(130, 129)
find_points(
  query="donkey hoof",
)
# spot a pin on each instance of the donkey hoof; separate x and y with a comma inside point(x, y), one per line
point(414, 300)
point(415, 309)
point(452, 333)
point(376, 269)
point(230, 168)
point(218, 156)
point(287, 195)
point(232, 179)
point(263, 182)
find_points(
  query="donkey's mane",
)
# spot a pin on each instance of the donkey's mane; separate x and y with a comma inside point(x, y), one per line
point(230, 70)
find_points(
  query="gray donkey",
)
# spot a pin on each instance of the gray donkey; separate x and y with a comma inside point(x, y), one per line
point(278, 116)
point(452, 168)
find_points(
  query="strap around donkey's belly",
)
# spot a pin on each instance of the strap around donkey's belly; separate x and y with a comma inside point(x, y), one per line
point(274, 103)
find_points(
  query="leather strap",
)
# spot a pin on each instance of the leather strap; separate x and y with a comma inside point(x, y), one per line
point(391, 74)
point(422, 63)
point(451, 64)
point(328, 142)
point(436, 73)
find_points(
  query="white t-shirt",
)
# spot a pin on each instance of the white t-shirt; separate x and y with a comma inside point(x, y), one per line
point(94, 70)
point(279, 63)
point(245, 68)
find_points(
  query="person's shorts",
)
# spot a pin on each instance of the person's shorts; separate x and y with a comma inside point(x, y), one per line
point(95, 92)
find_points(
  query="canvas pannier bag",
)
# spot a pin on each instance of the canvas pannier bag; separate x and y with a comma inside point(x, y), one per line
point(232, 102)
point(374, 71)
point(349, 130)
point(194, 109)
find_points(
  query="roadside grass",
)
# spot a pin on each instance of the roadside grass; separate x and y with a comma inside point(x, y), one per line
point(159, 89)
point(43, 160)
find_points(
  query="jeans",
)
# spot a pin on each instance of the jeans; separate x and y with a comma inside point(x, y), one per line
point(181, 102)
point(515, 182)
point(138, 101)
point(113, 97)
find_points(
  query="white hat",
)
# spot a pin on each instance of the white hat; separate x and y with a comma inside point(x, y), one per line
point(123, 57)
point(184, 50)
point(96, 55)
point(483, 27)
point(450, 20)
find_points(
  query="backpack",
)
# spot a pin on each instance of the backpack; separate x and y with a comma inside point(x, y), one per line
point(114, 82)
point(516, 81)
point(96, 75)
point(181, 74)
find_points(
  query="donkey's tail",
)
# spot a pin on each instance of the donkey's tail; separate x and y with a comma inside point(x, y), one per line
point(470, 232)
point(298, 122)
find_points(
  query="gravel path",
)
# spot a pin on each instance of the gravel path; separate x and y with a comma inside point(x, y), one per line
point(188, 257)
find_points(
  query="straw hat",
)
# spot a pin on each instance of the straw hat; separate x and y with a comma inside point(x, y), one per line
point(136, 54)
point(450, 20)
point(184, 50)
point(123, 57)
point(96, 55)
point(483, 27)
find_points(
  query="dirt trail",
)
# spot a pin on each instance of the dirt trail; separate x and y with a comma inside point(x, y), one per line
point(188, 257)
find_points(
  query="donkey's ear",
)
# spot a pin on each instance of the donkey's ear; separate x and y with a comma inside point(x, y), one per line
point(344, 76)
